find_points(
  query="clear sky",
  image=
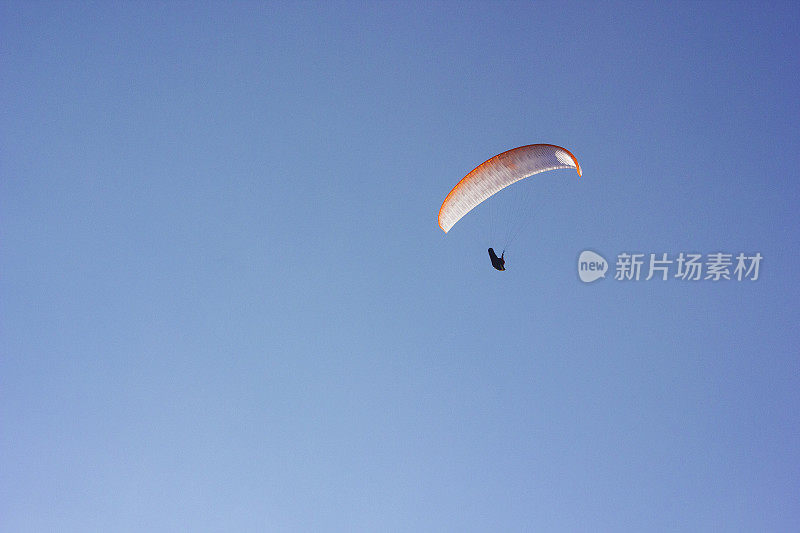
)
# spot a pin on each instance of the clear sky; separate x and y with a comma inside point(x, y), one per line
point(227, 306)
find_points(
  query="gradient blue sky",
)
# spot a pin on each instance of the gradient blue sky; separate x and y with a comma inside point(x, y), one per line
point(227, 306)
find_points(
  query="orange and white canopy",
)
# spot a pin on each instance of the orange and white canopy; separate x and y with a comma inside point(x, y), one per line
point(498, 173)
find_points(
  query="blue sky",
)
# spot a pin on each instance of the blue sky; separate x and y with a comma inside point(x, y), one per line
point(227, 306)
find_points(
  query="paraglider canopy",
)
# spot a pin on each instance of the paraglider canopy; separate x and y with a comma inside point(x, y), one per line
point(498, 173)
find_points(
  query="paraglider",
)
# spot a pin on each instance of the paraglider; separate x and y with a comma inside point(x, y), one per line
point(498, 262)
point(497, 173)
